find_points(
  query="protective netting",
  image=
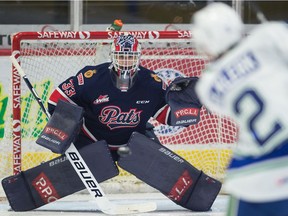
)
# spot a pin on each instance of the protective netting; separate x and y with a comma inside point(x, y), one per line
point(47, 63)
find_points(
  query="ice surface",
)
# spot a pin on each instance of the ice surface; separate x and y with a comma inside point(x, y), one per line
point(83, 204)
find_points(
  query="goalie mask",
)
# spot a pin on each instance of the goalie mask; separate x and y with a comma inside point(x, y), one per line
point(125, 57)
point(216, 28)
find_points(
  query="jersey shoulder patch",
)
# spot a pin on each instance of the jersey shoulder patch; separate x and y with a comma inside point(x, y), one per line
point(156, 77)
point(89, 73)
point(85, 74)
point(157, 80)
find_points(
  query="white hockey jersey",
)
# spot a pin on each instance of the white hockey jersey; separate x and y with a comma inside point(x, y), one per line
point(250, 84)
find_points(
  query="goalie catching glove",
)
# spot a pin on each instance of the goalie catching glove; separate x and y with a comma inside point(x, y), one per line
point(183, 101)
point(62, 128)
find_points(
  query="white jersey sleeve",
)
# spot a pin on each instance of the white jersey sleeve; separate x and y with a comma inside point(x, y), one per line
point(250, 84)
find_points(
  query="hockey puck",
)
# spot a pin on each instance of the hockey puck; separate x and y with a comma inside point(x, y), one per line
point(124, 151)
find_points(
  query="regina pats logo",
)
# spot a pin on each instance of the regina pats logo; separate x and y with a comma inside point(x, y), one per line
point(114, 117)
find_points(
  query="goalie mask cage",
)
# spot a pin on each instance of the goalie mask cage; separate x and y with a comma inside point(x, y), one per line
point(48, 58)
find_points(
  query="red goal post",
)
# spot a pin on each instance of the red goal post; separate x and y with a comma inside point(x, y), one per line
point(50, 57)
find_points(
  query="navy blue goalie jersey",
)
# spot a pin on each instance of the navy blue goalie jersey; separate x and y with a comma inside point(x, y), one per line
point(110, 114)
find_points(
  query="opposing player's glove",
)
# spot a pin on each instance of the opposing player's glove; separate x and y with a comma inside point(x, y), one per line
point(183, 101)
point(62, 128)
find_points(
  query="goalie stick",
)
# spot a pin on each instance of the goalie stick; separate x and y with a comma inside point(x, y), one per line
point(75, 159)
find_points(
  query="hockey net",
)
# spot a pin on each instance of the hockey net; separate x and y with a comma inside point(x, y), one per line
point(48, 58)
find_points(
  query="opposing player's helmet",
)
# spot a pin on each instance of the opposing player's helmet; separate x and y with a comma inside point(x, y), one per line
point(125, 57)
point(216, 28)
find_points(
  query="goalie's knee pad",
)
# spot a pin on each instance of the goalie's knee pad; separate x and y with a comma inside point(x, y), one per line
point(173, 176)
point(56, 178)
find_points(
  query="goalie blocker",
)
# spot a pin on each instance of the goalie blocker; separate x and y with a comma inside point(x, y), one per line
point(62, 128)
point(176, 178)
point(183, 101)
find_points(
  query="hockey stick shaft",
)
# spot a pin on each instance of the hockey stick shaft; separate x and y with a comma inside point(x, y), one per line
point(259, 14)
point(82, 169)
point(29, 85)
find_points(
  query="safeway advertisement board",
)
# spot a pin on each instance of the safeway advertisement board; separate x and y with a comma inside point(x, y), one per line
point(7, 30)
